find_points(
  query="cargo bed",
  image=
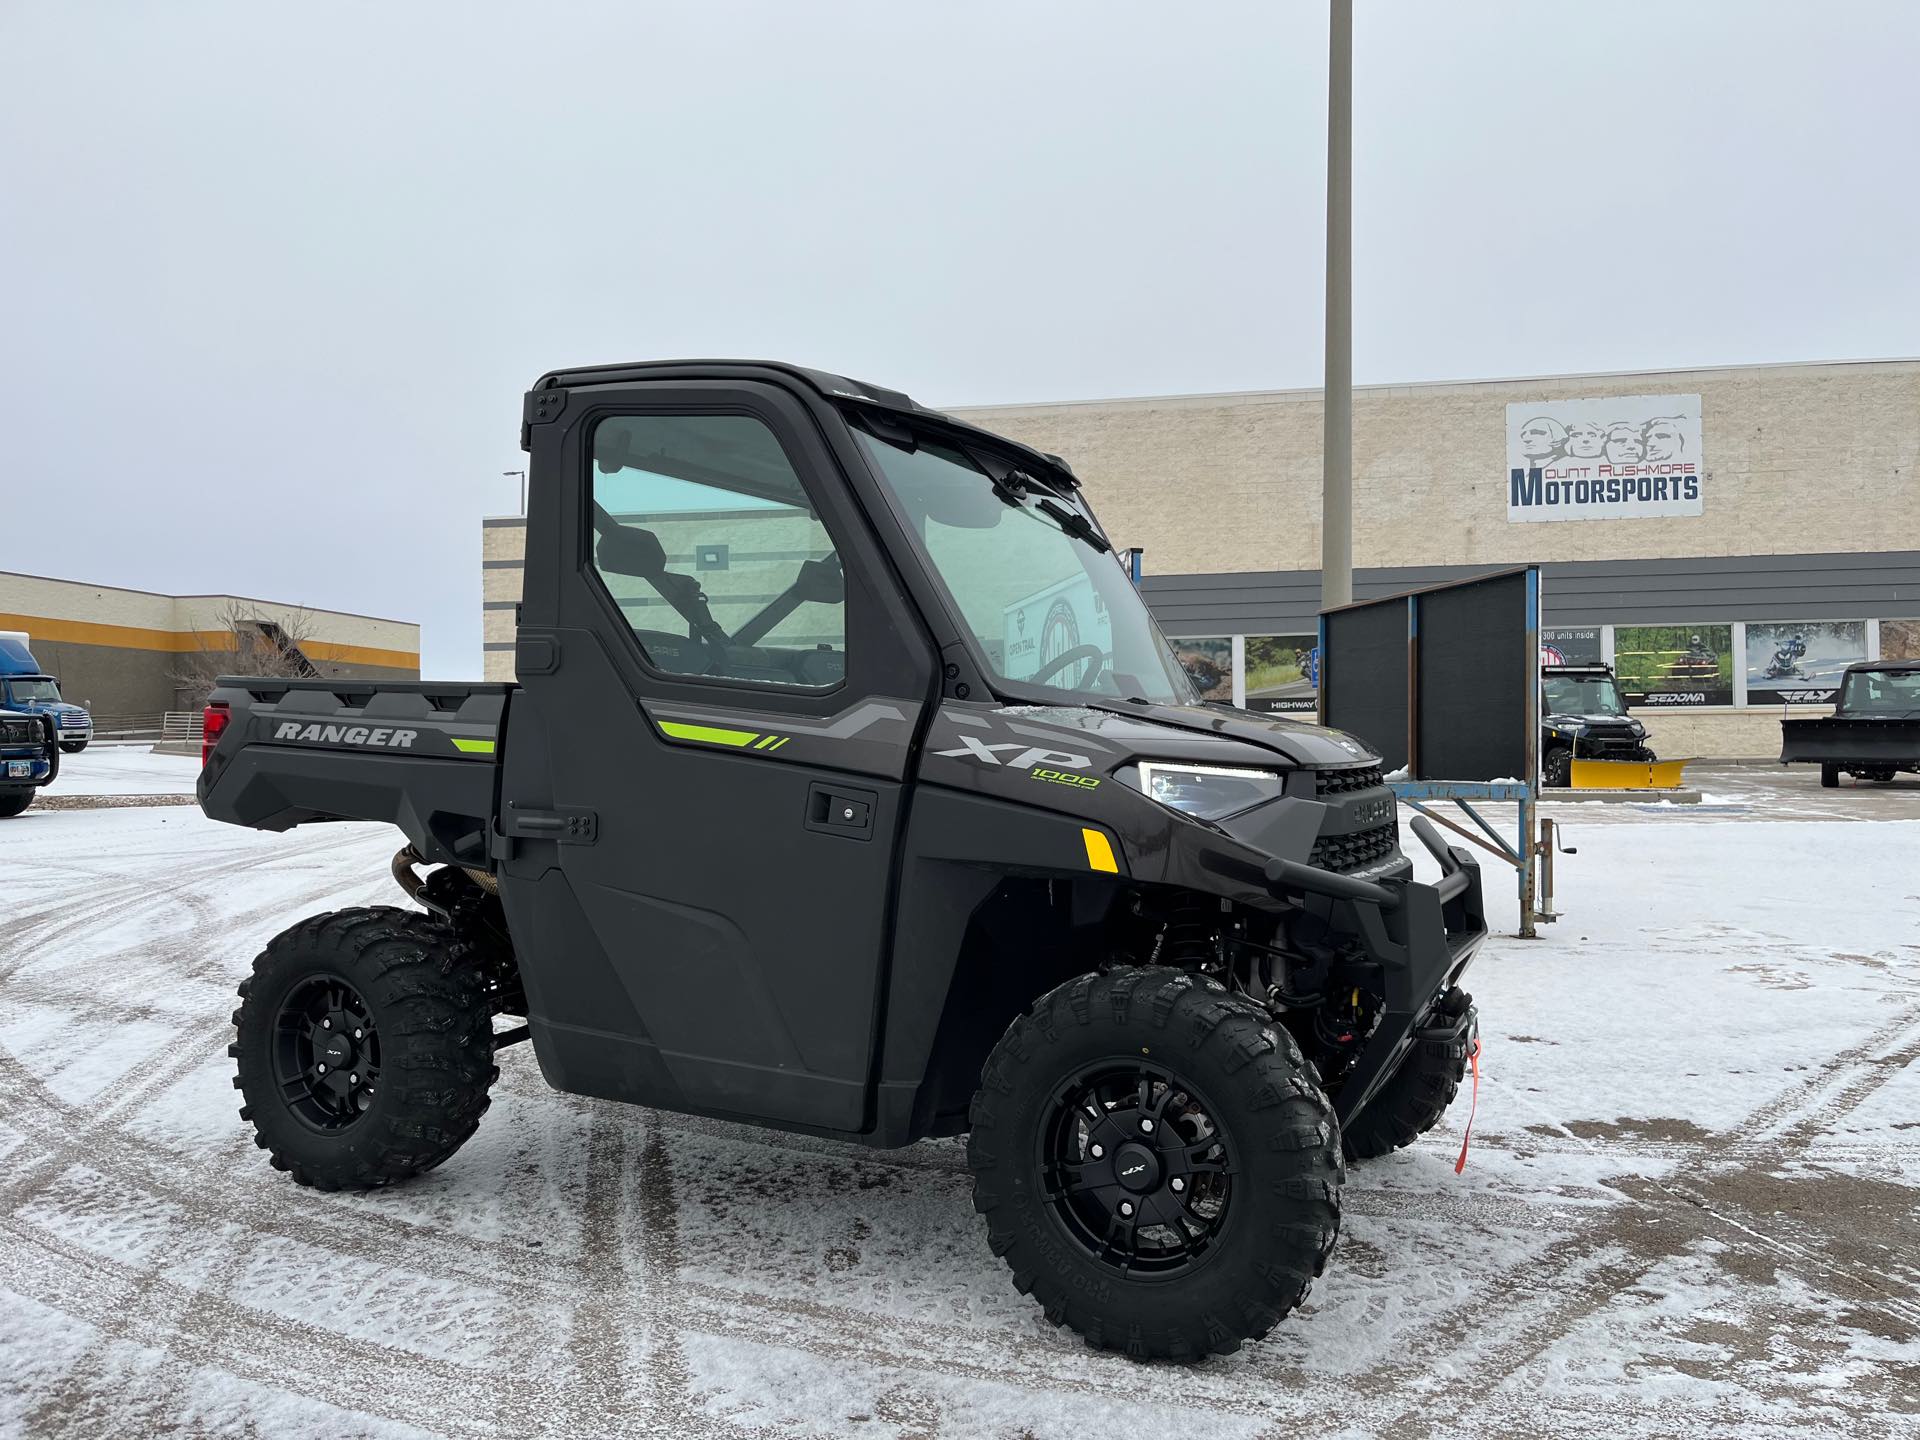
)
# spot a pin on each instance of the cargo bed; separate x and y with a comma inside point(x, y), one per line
point(421, 755)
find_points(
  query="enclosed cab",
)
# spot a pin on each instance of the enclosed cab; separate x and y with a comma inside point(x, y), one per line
point(24, 686)
point(1874, 731)
point(1583, 715)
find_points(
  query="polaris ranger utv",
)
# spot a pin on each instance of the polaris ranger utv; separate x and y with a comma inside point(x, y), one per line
point(1583, 713)
point(848, 787)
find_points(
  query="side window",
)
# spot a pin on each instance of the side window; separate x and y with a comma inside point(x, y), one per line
point(712, 549)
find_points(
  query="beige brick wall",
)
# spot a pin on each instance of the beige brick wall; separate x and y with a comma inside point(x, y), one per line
point(499, 587)
point(1720, 734)
point(1798, 459)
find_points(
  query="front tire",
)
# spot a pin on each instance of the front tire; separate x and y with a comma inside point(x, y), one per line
point(1157, 1164)
point(12, 802)
point(1829, 777)
point(72, 747)
point(1419, 1092)
point(365, 1047)
point(1557, 768)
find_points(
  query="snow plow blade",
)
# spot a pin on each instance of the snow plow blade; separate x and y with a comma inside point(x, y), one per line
point(1844, 741)
point(1628, 774)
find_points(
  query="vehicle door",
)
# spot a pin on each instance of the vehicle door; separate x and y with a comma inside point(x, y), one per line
point(706, 766)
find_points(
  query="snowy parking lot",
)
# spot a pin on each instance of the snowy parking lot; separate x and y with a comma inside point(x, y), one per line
point(1691, 1205)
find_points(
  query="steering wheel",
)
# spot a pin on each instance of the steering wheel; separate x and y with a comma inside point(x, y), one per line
point(1066, 658)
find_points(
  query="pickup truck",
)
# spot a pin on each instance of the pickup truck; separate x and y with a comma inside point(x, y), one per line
point(1874, 731)
point(787, 822)
point(25, 686)
point(29, 759)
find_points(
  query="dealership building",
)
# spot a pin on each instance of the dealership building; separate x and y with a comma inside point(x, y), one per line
point(136, 653)
point(1729, 539)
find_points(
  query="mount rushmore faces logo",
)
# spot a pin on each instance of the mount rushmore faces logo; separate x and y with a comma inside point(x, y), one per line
point(1629, 457)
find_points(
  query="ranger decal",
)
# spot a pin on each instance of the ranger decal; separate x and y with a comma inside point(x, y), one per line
point(348, 734)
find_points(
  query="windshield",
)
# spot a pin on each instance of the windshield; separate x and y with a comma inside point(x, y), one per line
point(35, 692)
point(1881, 692)
point(1583, 695)
point(1049, 607)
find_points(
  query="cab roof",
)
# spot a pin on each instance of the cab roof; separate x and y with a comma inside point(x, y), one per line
point(826, 384)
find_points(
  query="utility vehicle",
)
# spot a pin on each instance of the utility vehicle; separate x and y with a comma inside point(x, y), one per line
point(848, 787)
point(1583, 714)
point(1874, 731)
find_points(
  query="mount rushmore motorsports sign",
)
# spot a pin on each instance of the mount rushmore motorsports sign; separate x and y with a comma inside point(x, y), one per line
point(1627, 458)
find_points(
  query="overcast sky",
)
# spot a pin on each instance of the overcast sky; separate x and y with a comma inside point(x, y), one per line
point(273, 277)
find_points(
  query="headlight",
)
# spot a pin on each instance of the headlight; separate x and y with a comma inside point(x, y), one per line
point(1210, 792)
point(1636, 727)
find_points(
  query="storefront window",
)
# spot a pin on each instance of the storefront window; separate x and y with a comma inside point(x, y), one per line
point(1280, 673)
point(1675, 664)
point(1801, 662)
point(1209, 664)
point(1571, 647)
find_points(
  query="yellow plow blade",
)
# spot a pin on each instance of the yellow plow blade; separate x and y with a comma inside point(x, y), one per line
point(1628, 774)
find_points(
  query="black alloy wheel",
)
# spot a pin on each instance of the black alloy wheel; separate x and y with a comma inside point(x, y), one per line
point(1556, 770)
point(1156, 1162)
point(1136, 1169)
point(364, 1046)
point(326, 1053)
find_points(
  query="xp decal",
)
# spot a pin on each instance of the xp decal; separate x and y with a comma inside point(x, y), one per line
point(1028, 756)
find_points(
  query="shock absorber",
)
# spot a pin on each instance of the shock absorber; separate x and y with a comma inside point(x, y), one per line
point(1192, 932)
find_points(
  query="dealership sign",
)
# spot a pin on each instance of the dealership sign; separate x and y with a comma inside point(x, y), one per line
point(1627, 458)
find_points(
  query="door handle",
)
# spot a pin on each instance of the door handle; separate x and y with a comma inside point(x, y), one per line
point(838, 810)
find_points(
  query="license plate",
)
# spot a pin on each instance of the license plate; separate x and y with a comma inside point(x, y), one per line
point(19, 769)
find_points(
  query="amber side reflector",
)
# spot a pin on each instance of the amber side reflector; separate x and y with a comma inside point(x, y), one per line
point(1100, 851)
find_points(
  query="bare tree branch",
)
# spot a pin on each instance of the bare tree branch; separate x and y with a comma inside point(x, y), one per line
point(244, 640)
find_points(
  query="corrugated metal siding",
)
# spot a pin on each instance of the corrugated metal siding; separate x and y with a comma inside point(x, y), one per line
point(1579, 592)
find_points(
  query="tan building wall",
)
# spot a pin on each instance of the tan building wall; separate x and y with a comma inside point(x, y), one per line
point(1218, 483)
point(122, 651)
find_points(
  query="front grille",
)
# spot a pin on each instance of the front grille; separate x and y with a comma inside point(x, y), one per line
point(1339, 782)
point(1341, 853)
point(19, 732)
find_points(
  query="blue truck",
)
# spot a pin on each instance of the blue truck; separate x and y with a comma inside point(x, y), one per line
point(25, 687)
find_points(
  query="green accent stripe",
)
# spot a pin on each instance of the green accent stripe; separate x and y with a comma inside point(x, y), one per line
point(474, 747)
point(778, 743)
point(708, 734)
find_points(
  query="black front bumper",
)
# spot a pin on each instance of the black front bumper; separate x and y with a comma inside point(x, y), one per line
point(1423, 937)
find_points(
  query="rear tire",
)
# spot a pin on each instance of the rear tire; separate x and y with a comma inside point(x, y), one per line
point(1829, 777)
point(1413, 1100)
point(398, 1004)
point(1557, 768)
point(12, 802)
point(1219, 1144)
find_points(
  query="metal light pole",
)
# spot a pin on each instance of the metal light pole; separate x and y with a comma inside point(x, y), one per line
point(1336, 489)
point(523, 487)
